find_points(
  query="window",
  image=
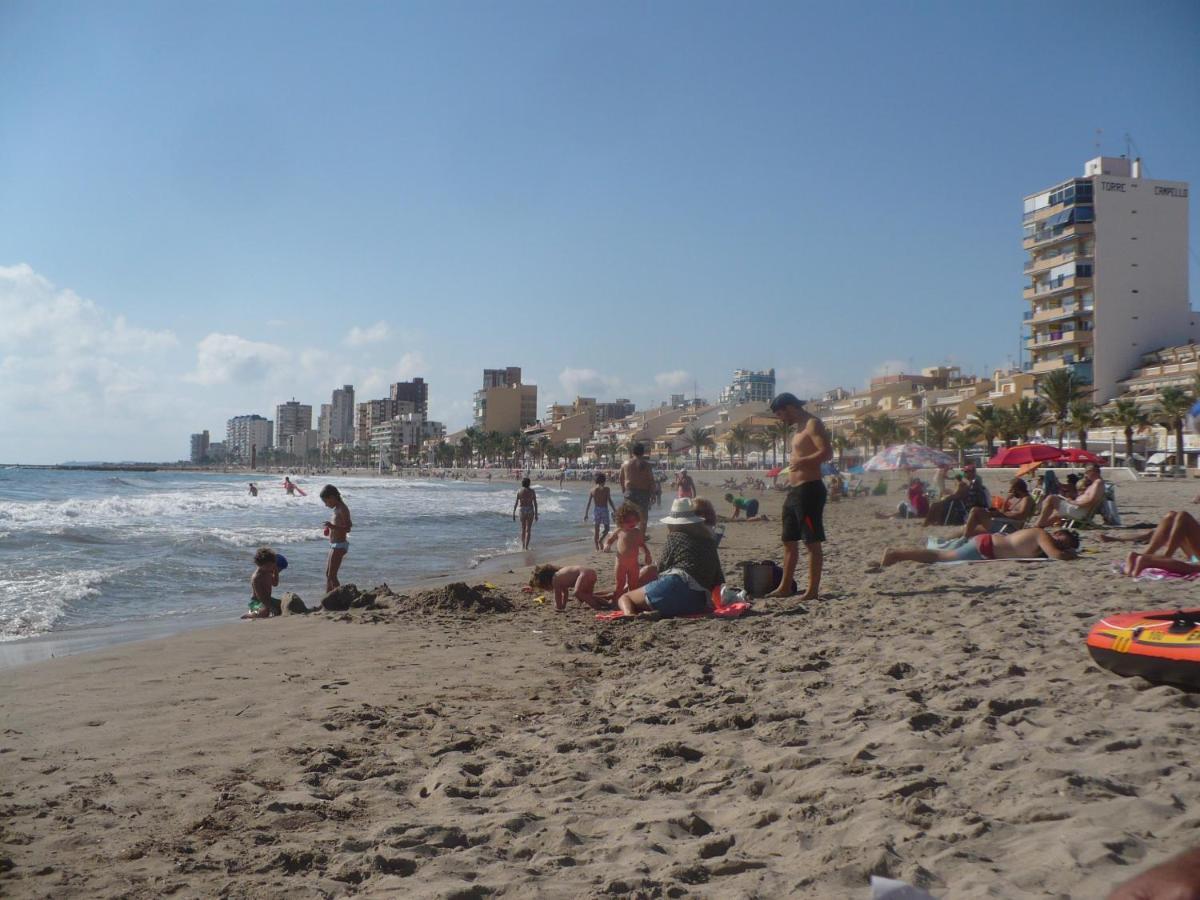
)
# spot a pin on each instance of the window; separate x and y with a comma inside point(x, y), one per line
point(1083, 270)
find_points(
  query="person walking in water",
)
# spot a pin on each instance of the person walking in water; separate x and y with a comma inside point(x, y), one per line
point(804, 508)
point(527, 501)
point(638, 483)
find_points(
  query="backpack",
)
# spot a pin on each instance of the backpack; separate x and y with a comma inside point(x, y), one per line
point(760, 578)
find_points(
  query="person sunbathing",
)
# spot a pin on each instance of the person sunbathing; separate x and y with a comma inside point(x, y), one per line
point(1058, 510)
point(1028, 543)
point(1017, 508)
point(1178, 532)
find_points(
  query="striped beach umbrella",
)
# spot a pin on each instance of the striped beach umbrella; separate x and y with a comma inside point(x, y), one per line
point(898, 457)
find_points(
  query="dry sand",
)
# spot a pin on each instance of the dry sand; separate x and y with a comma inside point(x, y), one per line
point(941, 725)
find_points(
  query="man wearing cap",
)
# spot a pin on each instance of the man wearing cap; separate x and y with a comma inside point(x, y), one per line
point(804, 508)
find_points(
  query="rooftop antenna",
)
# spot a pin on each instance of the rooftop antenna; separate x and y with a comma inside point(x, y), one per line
point(1128, 146)
point(1099, 131)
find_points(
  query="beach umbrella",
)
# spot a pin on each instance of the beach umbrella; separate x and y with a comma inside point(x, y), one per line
point(1075, 455)
point(907, 456)
point(1024, 453)
point(772, 473)
point(1030, 467)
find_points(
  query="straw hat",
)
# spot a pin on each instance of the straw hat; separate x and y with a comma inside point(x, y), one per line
point(683, 512)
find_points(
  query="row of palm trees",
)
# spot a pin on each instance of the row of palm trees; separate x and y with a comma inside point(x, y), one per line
point(1062, 403)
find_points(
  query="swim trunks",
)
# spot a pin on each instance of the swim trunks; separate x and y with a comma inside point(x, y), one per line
point(804, 512)
point(339, 545)
point(640, 499)
point(527, 514)
point(978, 548)
point(600, 516)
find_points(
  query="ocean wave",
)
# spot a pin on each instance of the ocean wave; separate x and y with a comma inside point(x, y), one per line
point(32, 604)
point(513, 546)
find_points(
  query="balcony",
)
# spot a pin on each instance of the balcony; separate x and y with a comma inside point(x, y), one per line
point(1049, 339)
point(1062, 285)
point(1054, 313)
point(1070, 232)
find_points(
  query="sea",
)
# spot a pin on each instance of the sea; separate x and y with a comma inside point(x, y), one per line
point(92, 550)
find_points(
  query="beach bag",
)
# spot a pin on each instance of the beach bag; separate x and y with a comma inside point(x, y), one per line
point(760, 578)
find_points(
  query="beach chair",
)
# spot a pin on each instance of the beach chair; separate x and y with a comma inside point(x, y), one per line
point(956, 513)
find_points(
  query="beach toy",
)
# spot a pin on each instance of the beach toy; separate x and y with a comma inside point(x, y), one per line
point(326, 531)
point(541, 599)
point(280, 561)
point(255, 605)
point(1160, 646)
point(489, 586)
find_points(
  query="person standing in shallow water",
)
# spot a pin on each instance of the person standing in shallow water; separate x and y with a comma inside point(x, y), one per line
point(804, 508)
point(527, 501)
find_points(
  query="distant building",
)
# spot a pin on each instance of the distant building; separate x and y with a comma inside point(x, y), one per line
point(616, 409)
point(303, 443)
point(200, 447)
point(401, 438)
point(341, 415)
point(504, 403)
point(375, 412)
point(325, 424)
point(216, 452)
point(244, 433)
point(749, 387)
point(415, 392)
point(1108, 272)
point(291, 418)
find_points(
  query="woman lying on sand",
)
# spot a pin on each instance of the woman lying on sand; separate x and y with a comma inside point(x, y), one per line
point(1028, 543)
point(689, 567)
point(1178, 532)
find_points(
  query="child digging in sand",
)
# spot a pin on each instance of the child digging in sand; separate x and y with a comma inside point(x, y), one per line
point(265, 577)
point(599, 503)
point(563, 580)
point(631, 544)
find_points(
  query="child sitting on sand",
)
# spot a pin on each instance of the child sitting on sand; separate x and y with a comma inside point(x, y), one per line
point(563, 580)
point(631, 543)
point(599, 503)
point(265, 577)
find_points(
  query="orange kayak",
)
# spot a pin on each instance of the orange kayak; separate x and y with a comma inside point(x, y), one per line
point(1163, 645)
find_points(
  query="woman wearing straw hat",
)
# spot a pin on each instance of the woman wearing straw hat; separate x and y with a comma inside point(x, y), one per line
point(688, 567)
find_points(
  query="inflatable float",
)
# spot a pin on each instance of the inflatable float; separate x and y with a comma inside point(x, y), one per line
point(1162, 645)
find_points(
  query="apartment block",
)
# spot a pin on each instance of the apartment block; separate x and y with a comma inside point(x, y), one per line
point(749, 387)
point(1108, 272)
point(245, 434)
point(415, 392)
point(341, 415)
point(199, 449)
point(291, 418)
point(504, 403)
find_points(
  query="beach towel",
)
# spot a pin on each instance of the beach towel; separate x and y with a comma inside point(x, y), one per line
point(1157, 574)
point(730, 611)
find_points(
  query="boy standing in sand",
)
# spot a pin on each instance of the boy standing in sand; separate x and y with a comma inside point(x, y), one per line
point(527, 501)
point(631, 544)
point(804, 508)
point(599, 503)
point(338, 529)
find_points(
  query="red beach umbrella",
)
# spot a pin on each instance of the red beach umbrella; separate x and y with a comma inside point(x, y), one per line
point(1022, 454)
point(1075, 455)
point(775, 471)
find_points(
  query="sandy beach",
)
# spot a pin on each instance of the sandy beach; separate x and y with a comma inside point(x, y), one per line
point(943, 725)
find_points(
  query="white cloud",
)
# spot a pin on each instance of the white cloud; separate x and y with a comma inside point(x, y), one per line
point(588, 382)
point(228, 359)
point(673, 380)
point(372, 334)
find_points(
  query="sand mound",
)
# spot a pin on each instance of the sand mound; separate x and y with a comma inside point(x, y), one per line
point(458, 597)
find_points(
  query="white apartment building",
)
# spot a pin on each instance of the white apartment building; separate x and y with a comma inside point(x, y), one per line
point(1108, 272)
point(243, 433)
point(749, 387)
point(291, 418)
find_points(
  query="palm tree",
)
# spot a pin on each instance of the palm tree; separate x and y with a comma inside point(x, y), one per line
point(1082, 419)
point(841, 444)
point(1173, 406)
point(736, 439)
point(1127, 415)
point(1028, 415)
point(962, 439)
point(780, 433)
point(938, 423)
point(1061, 389)
point(698, 438)
point(1006, 426)
point(986, 419)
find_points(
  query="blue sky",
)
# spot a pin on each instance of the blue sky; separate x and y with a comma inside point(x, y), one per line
point(210, 208)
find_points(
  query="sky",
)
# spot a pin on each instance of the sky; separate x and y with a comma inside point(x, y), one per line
point(209, 208)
